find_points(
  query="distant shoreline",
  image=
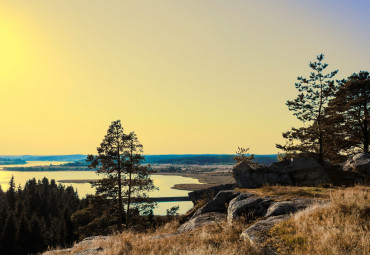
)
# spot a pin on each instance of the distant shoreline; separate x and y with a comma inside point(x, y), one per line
point(206, 180)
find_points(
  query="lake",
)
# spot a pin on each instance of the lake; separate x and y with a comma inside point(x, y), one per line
point(163, 182)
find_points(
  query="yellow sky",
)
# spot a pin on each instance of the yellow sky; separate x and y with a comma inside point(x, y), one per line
point(186, 76)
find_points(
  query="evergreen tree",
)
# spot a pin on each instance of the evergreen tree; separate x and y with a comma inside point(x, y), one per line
point(314, 94)
point(119, 160)
point(110, 162)
point(23, 236)
point(8, 236)
point(349, 113)
point(137, 179)
point(11, 195)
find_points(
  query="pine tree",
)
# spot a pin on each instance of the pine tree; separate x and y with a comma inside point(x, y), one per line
point(8, 236)
point(110, 162)
point(11, 194)
point(119, 160)
point(137, 178)
point(314, 94)
point(349, 113)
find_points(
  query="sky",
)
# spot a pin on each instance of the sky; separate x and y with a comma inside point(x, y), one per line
point(187, 76)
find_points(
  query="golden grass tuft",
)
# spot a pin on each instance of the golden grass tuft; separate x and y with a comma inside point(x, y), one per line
point(287, 192)
point(339, 228)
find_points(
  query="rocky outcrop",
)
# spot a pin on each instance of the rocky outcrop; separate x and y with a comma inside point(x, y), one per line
point(202, 220)
point(210, 192)
point(256, 234)
point(287, 207)
point(359, 163)
point(90, 242)
point(248, 177)
point(218, 203)
point(297, 171)
point(248, 206)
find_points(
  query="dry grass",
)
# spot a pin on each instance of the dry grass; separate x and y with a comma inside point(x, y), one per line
point(287, 192)
point(213, 239)
point(340, 228)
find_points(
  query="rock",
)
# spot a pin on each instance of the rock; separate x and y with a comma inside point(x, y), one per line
point(90, 240)
point(218, 203)
point(298, 171)
point(301, 163)
point(210, 192)
point(287, 207)
point(359, 163)
point(248, 177)
point(90, 251)
point(245, 176)
point(246, 205)
point(202, 220)
point(256, 234)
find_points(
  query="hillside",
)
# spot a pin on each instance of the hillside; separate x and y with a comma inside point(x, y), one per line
point(344, 224)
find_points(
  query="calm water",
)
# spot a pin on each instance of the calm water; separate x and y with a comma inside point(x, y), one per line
point(163, 182)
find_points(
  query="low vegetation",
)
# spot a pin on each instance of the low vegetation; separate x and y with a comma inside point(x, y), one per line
point(341, 228)
point(214, 239)
point(287, 192)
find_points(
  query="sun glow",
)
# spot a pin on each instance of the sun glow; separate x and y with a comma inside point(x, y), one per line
point(11, 50)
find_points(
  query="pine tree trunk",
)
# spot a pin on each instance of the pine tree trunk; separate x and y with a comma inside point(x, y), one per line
point(128, 202)
point(321, 156)
point(129, 188)
point(120, 207)
point(366, 134)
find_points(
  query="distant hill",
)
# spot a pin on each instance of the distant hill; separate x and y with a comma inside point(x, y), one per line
point(203, 159)
point(72, 157)
point(189, 159)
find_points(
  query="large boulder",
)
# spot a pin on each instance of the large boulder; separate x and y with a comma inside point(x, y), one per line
point(256, 234)
point(359, 163)
point(303, 171)
point(297, 171)
point(248, 177)
point(209, 192)
point(287, 207)
point(248, 206)
point(202, 220)
point(218, 203)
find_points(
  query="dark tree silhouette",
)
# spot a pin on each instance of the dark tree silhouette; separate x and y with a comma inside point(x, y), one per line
point(137, 179)
point(349, 113)
point(119, 160)
point(314, 94)
point(37, 216)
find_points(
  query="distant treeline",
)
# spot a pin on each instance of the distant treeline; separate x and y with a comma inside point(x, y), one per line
point(72, 157)
point(187, 159)
point(47, 168)
point(204, 159)
point(77, 163)
point(9, 161)
point(37, 217)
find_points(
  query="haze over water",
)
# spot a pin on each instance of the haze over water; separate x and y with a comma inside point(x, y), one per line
point(163, 182)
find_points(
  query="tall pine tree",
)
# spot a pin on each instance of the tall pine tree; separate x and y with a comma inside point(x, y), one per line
point(125, 180)
point(309, 107)
point(349, 113)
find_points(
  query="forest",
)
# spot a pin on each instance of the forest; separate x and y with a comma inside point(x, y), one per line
point(37, 216)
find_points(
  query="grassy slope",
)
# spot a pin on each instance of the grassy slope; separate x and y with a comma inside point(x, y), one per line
point(341, 228)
